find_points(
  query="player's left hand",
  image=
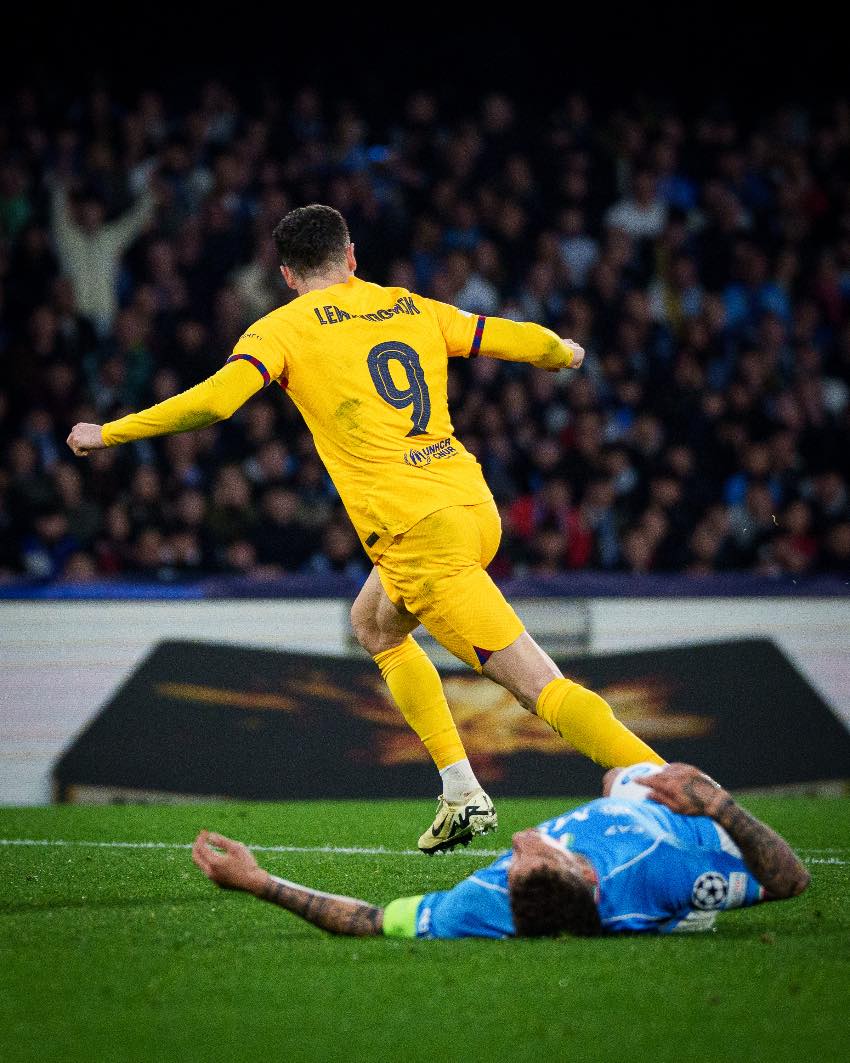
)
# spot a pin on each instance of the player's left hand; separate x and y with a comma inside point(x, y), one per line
point(233, 869)
point(577, 352)
point(85, 438)
point(685, 789)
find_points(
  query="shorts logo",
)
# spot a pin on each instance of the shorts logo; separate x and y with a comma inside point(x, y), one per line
point(419, 458)
point(709, 891)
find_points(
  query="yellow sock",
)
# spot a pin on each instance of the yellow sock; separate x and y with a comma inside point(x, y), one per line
point(586, 721)
point(418, 692)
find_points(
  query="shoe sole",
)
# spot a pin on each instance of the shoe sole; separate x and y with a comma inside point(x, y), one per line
point(462, 838)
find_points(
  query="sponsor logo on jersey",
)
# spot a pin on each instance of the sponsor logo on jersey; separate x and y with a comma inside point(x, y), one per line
point(434, 452)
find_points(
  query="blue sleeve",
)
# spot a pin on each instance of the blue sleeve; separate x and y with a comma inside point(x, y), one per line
point(714, 880)
point(476, 907)
point(744, 888)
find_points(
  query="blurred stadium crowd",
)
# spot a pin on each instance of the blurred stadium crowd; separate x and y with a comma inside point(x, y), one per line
point(704, 263)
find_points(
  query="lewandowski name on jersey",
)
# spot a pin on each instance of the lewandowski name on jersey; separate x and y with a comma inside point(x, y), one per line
point(334, 315)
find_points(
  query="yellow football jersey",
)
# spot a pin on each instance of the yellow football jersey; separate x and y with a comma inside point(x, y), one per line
point(367, 367)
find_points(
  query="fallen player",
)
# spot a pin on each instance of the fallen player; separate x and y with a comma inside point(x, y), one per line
point(663, 850)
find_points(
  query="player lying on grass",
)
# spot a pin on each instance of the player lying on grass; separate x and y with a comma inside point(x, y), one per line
point(620, 863)
point(367, 367)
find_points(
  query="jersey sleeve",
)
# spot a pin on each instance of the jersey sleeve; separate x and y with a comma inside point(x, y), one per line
point(716, 881)
point(461, 331)
point(214, 399)
point(264, 347)
point(468, 335)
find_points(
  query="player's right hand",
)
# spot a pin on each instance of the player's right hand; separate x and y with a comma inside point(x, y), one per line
point(685, 789)
point(234, 868)
point(85, 438)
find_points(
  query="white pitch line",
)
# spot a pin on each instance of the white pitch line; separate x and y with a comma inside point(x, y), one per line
point(331, 850)
point(335, 850)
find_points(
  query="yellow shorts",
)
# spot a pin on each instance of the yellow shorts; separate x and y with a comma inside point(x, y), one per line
point(436, 570)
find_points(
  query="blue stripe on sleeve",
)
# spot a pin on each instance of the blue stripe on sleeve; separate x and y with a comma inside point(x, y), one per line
point(476, 339)
point(255, 362)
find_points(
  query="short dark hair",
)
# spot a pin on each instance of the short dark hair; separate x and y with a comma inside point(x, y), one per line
point(549, 901)
point(310, 238)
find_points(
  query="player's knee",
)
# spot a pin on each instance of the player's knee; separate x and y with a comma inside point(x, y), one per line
point(368, 632)
point(364, 627)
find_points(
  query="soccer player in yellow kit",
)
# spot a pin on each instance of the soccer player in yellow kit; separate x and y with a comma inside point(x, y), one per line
point(367, 367)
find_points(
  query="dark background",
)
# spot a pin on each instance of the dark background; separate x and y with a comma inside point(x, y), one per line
point(684, 52)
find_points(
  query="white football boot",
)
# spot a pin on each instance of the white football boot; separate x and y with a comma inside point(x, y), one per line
point(458, 824)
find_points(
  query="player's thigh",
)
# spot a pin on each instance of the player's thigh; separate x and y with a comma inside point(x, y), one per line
point(436, 570)
point(468, 614)
point(379, 620)
point(489, 526)
point(444, 542)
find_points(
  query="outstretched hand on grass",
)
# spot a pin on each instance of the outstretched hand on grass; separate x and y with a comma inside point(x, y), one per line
point(230, 864)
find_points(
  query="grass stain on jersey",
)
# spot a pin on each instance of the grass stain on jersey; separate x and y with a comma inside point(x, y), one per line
point(347, 414)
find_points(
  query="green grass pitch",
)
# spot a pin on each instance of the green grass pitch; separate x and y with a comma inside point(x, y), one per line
point(118, 954)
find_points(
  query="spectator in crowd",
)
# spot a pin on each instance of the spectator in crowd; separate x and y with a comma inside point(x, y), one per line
point(703, 263)
point(642, 215)
point(90, 247)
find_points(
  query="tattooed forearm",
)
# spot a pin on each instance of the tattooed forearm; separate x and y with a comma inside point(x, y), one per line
point(337, 915)
point(770, 858)
point(686, 790)
point(702, 792)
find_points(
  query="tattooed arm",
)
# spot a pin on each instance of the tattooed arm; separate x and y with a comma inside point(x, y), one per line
point(236, 869)
point(686, 790)
point(338, 915)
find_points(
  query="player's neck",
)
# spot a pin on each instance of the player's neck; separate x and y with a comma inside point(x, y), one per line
point(317, 281)
point(591, 876)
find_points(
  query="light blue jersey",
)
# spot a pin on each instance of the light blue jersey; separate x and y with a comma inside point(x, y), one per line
point(658, 872)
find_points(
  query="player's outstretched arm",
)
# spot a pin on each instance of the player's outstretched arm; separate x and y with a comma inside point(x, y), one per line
point(688, 791)
point(524, 341)
point(235, 868)
point(215, 399)
point(497, 337)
